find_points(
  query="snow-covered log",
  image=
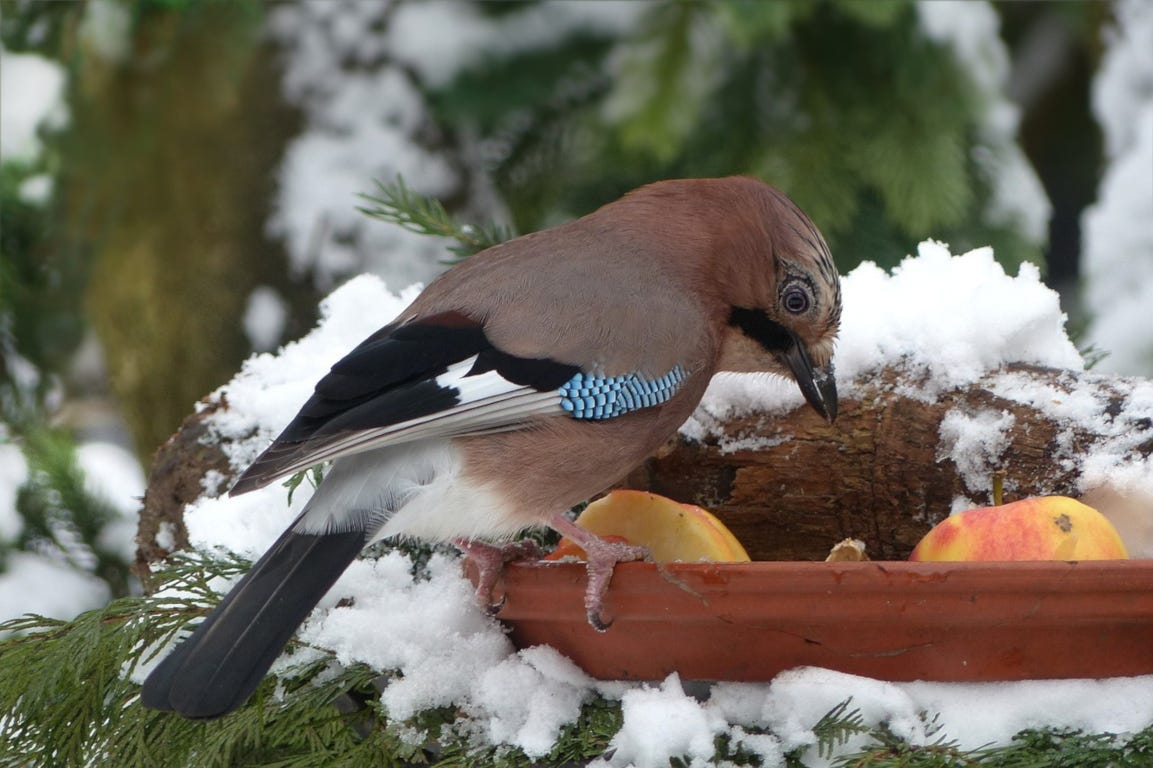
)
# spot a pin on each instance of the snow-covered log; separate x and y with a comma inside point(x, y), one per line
point(893, 464)
point(949, 371)
point(791, 485)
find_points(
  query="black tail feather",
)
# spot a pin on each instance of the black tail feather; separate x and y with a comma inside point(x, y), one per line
point(221, 663)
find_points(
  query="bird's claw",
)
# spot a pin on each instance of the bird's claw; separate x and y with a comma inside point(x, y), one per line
point(603, 557)
point(490, 607)
point(597, 622)
point(490, 560)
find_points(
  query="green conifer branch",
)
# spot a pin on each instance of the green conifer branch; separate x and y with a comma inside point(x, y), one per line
point(397, 204)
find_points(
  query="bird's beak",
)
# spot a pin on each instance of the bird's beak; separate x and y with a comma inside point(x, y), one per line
point(818, 385)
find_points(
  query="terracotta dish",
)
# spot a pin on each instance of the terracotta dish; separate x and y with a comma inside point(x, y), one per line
point(890, 620)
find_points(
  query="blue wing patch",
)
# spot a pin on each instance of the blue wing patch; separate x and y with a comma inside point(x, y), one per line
point(589, 396)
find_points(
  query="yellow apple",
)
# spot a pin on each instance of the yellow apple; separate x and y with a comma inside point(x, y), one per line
point(671, 531)
point(1040, 528)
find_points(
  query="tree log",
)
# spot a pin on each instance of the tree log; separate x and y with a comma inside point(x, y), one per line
point(882, 472)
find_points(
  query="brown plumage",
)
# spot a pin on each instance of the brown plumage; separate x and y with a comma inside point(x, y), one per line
point(520, 382)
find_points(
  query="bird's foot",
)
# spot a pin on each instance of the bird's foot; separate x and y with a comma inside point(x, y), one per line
point(490, 560)
point(603, 557)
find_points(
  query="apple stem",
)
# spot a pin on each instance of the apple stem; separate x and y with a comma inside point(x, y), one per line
point(998, 487)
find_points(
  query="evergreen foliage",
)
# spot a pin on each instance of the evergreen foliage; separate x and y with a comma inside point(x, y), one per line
point(41, 326)
point(397, 204)
point(62, 519)
point(847, 106)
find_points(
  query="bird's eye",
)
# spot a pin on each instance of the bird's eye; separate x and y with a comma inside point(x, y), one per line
point(796, 300)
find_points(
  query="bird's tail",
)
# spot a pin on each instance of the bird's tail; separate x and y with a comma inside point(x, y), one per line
point(221, 663)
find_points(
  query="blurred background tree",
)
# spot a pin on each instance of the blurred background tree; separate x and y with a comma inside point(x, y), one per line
point(195, 192)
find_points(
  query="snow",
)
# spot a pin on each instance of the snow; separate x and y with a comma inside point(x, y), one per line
point(106, 30)
point(946, 319)
point(530, 696)
point(662, 723)
point(361, 73)
point(972, 31)
point(361, 124)
point(36, 190)
point(441, 38)
point(13, 474)
point(977, 440)
point(1118, 230)
point(950, 320)
point(32, 89)
point(1116, 469)
point(37, 583)
point(31, 583)
point(265, 316)
point(113, 474)
point(1124, 82)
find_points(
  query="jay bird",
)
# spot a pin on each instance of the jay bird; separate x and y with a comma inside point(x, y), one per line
point(522, 381)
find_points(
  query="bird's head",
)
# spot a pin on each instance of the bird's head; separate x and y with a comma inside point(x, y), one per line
point(782, 291)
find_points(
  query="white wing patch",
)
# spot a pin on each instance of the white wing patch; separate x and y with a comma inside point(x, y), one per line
point(486, 403)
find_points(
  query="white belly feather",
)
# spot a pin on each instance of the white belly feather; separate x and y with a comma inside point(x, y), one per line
point(415, 489)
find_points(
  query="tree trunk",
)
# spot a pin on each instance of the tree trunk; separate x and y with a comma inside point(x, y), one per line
point(172, 155)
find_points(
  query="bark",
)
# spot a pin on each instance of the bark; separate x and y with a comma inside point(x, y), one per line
point(172, 159)
point(879, 473)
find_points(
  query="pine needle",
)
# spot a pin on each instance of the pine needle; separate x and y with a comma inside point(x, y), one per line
point(397, 204)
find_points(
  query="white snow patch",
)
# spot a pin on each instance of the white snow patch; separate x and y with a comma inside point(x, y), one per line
point(663, 723)
point(973, 714)
point(528, 697)
point(106, 30)
point(975, 443)
point(38, 583)
point(36, 190)
point(1117, 472)
point(362, 120)
point(1118, 231)
point(31, 583)
point(31, 96)
point(264, 318)
point(973, 31)
point(13, 474)
point(442, 38)
point(434, 632)
point(112, 474)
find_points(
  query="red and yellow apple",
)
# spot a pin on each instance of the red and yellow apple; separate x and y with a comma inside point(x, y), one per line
point(1040, 528)
point(670, 530)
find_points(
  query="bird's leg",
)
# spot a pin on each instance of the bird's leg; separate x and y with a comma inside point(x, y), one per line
point(490, 560)
point(602, 559)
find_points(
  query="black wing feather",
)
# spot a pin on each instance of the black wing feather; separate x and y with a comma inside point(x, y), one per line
point(216, 668)
point(390, 379)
